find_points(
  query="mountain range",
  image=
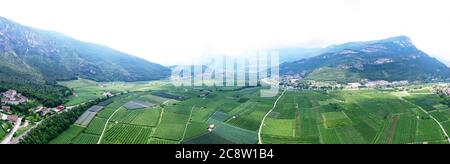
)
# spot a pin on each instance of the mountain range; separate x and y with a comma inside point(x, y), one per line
point(390, 59)
point(39, 56)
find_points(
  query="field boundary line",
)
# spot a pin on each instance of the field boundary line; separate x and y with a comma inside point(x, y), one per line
point(187, 124)
point(106, 125)
point(161, 114)
point(267, 114)
point(164, 139)
point(431, 116)
point(167, 101)
point(297, 113)
point(142, 126)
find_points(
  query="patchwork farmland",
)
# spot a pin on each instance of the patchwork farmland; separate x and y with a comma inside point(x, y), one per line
point(233, 116)
point(173, 116)
point(355, 116)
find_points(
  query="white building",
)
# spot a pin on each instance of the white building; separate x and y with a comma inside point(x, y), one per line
point(4, 116)
point(379, 83)
point(354, 85)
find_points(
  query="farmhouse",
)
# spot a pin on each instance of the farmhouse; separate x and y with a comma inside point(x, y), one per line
point(58, 109)
point(354, 85)
point(211, 127)
point(108, 94)
point(6, 109)
point(42, 110)
point(11, 118)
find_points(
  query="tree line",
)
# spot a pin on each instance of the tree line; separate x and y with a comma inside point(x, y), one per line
point(50, 95)
point(53, 126)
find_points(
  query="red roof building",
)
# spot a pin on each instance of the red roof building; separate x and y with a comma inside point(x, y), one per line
point(6, 108)
point(60, 108)
point(13, 118)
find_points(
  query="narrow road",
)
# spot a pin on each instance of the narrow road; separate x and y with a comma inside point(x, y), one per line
point(262, 122)
point(167, 101)
point(10, 135)
point(106, 125)
point(187, 124)
point(17, 139)
point(161, 114)
point(440, 125)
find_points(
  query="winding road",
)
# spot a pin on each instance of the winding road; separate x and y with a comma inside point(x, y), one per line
point(106, 125)
point(10, 135)
point(264, 118)
point(16, 140)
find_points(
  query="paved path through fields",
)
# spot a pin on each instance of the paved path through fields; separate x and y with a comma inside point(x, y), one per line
point(106, 125)
point(161, 114)
point(262, 122)
point(187, 124)
point(10, 135)
point(17, 139)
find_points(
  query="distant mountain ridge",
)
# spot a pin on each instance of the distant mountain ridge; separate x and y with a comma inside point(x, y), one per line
point(390, 59)
point(29, 54)
point(446, 62)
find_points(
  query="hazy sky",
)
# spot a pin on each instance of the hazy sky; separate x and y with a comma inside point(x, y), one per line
point(171, 31)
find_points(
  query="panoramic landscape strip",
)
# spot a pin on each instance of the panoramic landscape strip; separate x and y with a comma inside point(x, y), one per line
point(250, 72)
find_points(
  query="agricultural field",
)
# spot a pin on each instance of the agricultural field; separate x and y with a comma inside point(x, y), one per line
point(85, 139)
point(136, 104)
point(172, 126)
point(96, 126)
point(118, 133)
point(178, 116)
point(68, 135)
point(428, 102)
point(86, 118)
point(161, 141)
point(335, 119)
point(2, 133)
point(143, 117)
point(86, 90)
point(137, 122)
point(356, 116)
point(158, 114)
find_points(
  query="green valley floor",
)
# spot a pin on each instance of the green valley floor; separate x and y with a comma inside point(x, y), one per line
point(234, 115)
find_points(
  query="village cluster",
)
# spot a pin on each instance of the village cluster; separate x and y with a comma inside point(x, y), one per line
point(297, 82)
point(442, 89)
point(12, 98)
point(8, 99)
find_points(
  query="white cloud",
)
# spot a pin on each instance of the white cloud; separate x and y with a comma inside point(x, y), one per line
point(170, 31)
